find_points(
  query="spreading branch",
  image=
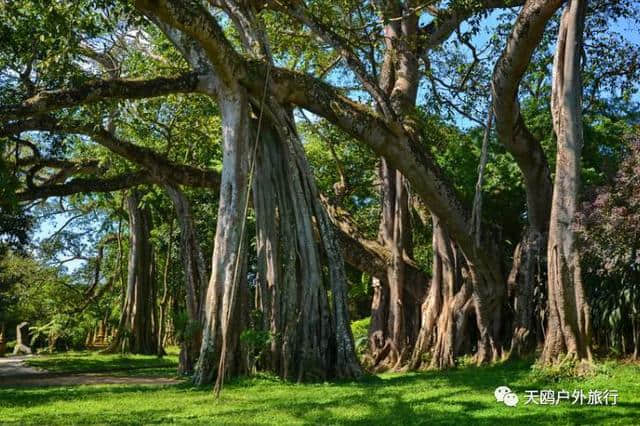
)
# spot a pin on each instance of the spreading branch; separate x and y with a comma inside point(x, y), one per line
point(510, 126)
point(96, 91)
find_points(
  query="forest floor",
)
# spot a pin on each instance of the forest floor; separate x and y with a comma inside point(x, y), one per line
point(461, 396)
point(84, 368)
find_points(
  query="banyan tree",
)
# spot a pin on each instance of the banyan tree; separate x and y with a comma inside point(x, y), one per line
point(478, 294)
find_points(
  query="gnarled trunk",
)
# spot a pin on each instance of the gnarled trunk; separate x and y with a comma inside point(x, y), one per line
point(568, 327)
point(525, 283)
point(488, 299)
point(222, 319)
point(395, 310)
point(299, 263)
point(459, 292)
point(137, 327)
point(445, 310)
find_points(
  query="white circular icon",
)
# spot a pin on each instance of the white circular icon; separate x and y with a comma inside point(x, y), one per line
point(500, 393)
point(511, 400)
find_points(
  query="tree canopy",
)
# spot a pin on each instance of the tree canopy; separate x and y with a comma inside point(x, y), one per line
point(245, 179)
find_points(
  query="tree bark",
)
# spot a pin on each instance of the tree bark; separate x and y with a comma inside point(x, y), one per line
point(446, 308)
point(525, 282)
point(527, 151)
point(195, 278)
point(137, 327)
point(303, 286)
point(395, 324)
point(311, 337)
point(568, 327)
point(163, 305)
point(221, 318)
point(395, 309)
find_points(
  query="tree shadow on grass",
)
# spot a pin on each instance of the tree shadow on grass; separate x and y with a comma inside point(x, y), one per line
point(91, 362)
point(462, 396)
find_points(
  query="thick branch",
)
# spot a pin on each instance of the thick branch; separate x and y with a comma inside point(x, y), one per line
point(193, 18)
point(512, 131)
point(158, 166)
point(387, 139)
point(363, 254)
point(85, 185)
point(96, 91)
point(447, 21)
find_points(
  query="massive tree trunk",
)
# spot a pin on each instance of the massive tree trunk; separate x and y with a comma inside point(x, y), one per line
point(525, 284)
point(568, 327)
point(222, 312)
point(395, 309)
point(302, 285)
point(529, 155)
point(459, 292)
point(446, 309)
point(195, 279)
point(163, 304)
point(137, 327)
point(301, 215)
point(397, 299)
point(311, 337)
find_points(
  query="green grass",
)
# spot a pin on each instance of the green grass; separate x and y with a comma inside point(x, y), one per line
point(95, 362)
point(459, 397)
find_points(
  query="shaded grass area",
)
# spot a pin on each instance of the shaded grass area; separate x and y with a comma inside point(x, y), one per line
point(95, 362)
point(462, 396)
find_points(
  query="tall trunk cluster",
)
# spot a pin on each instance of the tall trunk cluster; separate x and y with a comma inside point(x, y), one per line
point(195, 279)
point(301, 289)
point(301, 286)
point(137, 327)
point(301, 281)
point(447, 308)
point(395, 310)
point(525, 284)
point(568, 327)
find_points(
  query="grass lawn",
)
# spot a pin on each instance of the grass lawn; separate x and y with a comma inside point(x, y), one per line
point(462, 396)
point(114, 364)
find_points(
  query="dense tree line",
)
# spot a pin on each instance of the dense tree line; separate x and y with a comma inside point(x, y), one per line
point(423, 164)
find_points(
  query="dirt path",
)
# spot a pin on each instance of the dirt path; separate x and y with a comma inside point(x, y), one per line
point(14, 372)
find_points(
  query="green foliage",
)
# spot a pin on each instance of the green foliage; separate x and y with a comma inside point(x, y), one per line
point(255, 340)
point(608, 226)
point(15, 224)
point(332, 152)
point(45, 298)
point(566, 369)
point(184, 328)
point(360, 330)
point(51, 331)
point(42, 37)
